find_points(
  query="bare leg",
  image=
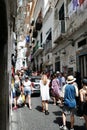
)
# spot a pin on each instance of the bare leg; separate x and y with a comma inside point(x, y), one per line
point(43, 106)
point(64, 119)
point(54, 101)
point(25, 100)
point(15, 103)
point(29, 101)
point(46, 105)
point(72, 121)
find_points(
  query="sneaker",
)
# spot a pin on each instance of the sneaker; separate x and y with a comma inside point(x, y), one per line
point(63, 127)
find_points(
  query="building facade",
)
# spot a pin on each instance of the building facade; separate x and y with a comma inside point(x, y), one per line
point(42, 35)
point(71, 39)
point(66, 46)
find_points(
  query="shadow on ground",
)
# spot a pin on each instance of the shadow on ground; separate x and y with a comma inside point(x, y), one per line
point(39, 108)
point(76, 127)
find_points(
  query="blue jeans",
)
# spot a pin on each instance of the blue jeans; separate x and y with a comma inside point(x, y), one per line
point(27, 91)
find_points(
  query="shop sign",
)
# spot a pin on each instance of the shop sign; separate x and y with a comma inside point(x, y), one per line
point(27, 39)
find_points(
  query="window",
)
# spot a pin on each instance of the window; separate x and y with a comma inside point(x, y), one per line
point(41, 38)
point(48, 57)
point(82, 43)
point(57, 66)
point(61, 13)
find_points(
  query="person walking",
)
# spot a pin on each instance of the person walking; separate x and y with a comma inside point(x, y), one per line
point(55, 89)
point(83, 99)
point(70, 91)
point(44, 90)
point(27, 90)
point(17, 90)
point(63, 82)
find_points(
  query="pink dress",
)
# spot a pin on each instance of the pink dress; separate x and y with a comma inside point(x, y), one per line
point(55, 87)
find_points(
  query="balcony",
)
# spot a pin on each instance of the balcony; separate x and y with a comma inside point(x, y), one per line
point(59, 31)
point(37, 49)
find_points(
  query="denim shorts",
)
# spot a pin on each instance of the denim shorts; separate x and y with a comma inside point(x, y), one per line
point(13, 94)
point(27, 91)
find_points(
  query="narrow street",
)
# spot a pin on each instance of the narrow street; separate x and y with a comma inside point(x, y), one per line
point(25, 119)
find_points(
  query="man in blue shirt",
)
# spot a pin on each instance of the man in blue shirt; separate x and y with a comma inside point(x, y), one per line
point(70, 91)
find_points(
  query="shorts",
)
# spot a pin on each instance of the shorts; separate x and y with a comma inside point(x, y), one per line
point(68, 111)
point(27, 91)
point(13, 94)
point(17, 93)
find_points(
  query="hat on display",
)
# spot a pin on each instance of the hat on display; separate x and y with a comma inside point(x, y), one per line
point(70, 79)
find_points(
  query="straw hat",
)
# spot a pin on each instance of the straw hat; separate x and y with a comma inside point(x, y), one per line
point(70, 79)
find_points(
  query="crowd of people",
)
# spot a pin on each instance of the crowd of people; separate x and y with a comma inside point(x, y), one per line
point(21, 90)
point(69, 92)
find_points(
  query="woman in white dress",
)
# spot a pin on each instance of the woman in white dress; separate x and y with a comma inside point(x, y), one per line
point(45, 96)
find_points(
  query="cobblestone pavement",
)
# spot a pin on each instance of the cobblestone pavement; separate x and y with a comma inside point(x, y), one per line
point(25, 119)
